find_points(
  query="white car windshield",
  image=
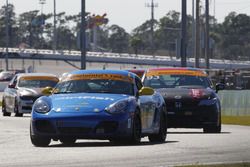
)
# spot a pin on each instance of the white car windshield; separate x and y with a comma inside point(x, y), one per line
point(36, 83)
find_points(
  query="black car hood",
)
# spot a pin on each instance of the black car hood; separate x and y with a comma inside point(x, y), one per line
point(185, 93)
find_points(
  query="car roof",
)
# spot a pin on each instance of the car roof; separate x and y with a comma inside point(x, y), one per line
point(176, 68)
point(120, 72)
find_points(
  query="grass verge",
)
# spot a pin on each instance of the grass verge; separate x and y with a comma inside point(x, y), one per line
point(221, 165)
point(236, 120)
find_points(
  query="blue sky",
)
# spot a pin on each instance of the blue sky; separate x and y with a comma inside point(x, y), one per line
point(129, 13)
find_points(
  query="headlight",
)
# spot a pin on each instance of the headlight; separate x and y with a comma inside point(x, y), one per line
point(118, 107)
point(41, 106)
point(208, 102)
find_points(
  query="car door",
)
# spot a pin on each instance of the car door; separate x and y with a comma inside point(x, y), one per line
point(10, 94)
point(148, 108)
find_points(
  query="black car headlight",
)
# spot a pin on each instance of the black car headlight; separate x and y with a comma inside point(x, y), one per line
point(209, 102)
point(41, 106)
point(118, 107)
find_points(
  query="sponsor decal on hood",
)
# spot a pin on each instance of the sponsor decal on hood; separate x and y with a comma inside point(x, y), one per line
point(84, 102)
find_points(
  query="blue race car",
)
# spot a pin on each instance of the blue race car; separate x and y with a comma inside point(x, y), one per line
point(99, 104)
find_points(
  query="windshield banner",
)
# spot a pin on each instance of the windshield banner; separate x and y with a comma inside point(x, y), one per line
point(98, 76)
point(176, 72)
point(39, 78)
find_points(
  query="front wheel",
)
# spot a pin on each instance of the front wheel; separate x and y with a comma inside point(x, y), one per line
point(162, 134)
point(212, 129)
point(16, 110)
point(215, 128)
point(39, 141)
point(136, 131)
point(5, 113)
point(68, 141)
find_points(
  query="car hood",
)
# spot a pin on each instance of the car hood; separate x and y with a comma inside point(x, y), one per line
point(84, 102)
point(30, 91)
point(182, 93)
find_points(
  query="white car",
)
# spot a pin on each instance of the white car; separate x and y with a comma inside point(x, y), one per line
point(23, 90)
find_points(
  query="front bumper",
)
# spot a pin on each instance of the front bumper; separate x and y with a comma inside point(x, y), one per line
point(25, 106)
point(198, 117)
point(87, 126)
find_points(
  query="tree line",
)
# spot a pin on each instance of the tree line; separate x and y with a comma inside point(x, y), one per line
point(229, 39)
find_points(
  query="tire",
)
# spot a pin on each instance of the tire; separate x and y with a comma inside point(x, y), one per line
point(135, 137)
point(162, 134)
point(68, 141)
point(136, 131)
point(16, 110)
point(119, 141)
point(213, 128)
point(5, 113)
point(39, 141)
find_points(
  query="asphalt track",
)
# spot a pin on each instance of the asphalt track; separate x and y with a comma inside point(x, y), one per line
point(183, 146)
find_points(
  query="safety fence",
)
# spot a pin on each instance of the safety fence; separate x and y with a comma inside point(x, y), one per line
point(235, 102)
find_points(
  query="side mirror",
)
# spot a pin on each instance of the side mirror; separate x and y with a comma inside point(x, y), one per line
point(47, 91)
point(12, 86)
point(219, 86)
point(146, 91)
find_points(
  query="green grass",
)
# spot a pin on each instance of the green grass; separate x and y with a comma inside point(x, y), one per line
point(236, 120)
point(221, 165)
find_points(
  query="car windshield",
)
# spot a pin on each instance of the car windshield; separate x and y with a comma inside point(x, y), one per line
point(172, 81)
point(95, 86)
point(36, 83)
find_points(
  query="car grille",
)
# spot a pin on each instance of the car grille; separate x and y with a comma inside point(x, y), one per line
point(102, 127)
point(33, 98)
point(177, 105)
point(26, 108)
point(73, 130)
point(107, 126)
point(44, 126)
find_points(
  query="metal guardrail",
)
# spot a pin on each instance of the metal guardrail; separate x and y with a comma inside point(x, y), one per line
point(107, 57)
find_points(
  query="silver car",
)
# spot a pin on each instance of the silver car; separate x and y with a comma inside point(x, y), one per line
point(23, 90)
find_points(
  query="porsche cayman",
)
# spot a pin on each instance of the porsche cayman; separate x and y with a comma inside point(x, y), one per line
point(99, 104)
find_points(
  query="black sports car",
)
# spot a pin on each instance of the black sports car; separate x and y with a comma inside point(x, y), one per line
point(191, 98)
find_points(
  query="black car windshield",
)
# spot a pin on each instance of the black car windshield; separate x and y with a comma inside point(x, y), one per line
point(95, 86)
point(172, 81)
point(36, 83)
